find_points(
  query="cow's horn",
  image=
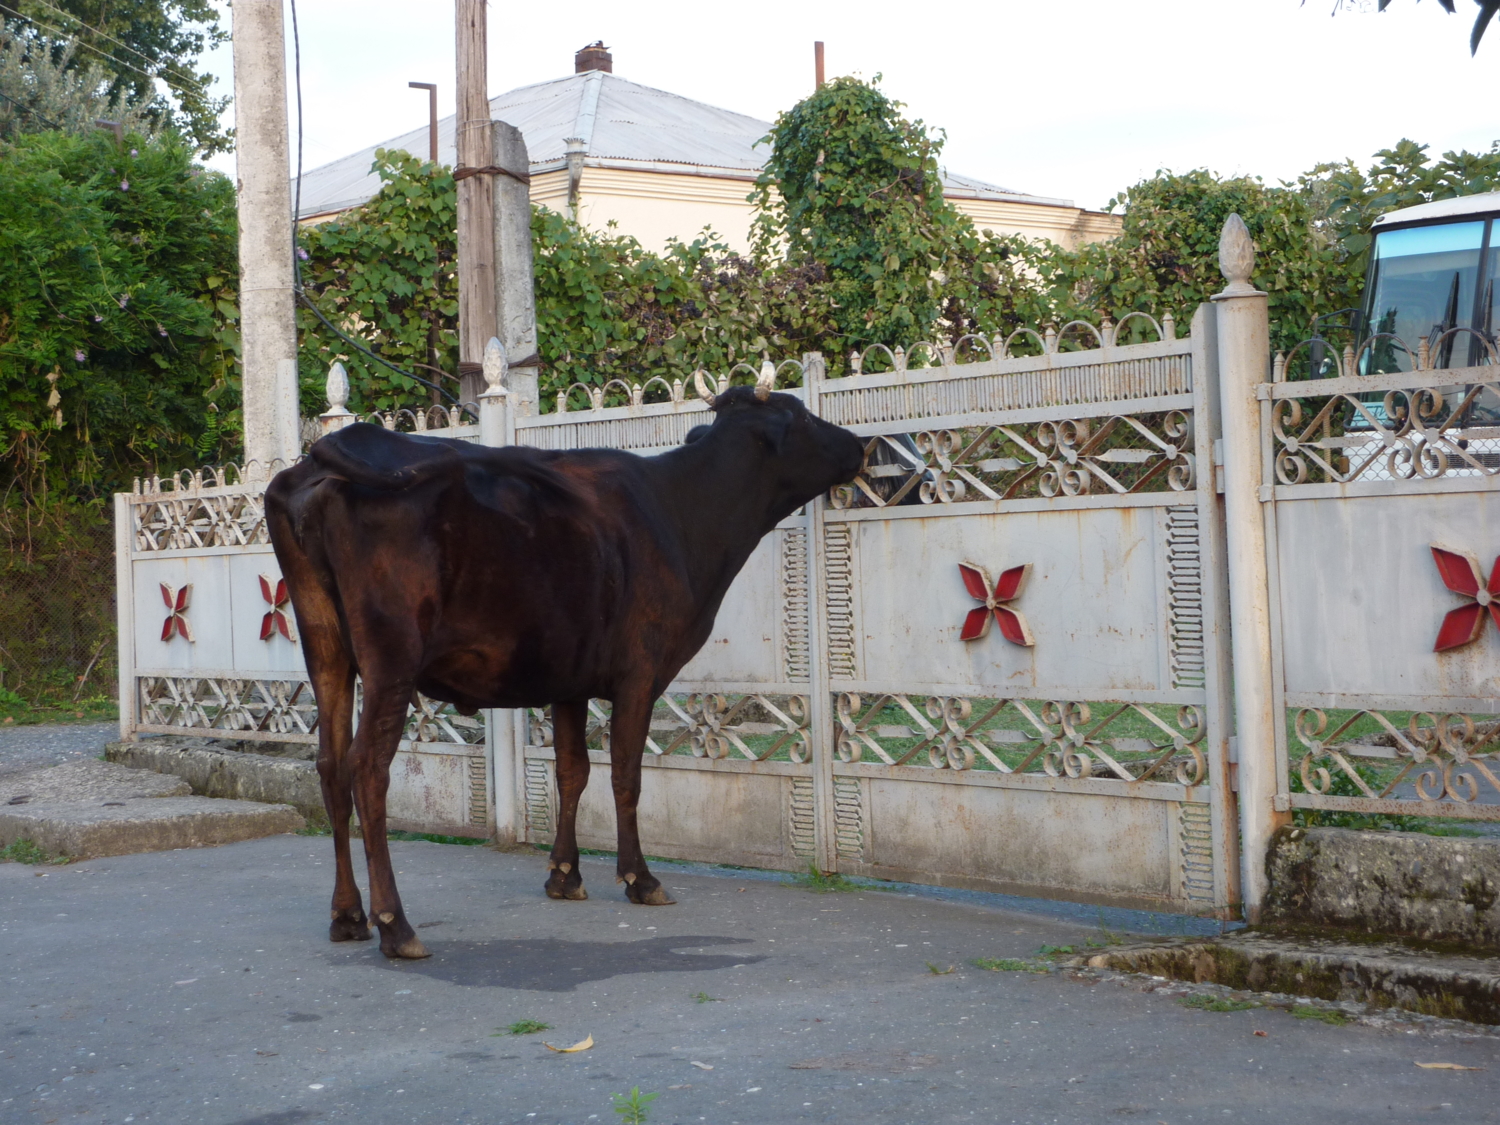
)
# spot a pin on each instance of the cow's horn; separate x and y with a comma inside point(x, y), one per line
point(766, 381)
point(702, 384)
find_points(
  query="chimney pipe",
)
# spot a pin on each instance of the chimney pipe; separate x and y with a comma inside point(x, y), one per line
point(595, 56)
point(818, 61)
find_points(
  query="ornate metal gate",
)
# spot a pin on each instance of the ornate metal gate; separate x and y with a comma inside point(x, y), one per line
point(994, 660)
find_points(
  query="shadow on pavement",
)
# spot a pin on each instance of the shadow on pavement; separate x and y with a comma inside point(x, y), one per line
point(554, 965)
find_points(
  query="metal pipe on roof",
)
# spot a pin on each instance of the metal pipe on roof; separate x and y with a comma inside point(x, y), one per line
point(431, 88)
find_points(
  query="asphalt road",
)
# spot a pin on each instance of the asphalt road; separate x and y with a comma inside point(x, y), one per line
point(198, 986)
point(25, 748)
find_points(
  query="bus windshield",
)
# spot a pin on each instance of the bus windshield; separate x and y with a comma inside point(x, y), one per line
point(1423, 284)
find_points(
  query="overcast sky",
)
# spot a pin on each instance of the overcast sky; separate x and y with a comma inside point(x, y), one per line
point(1066, 98)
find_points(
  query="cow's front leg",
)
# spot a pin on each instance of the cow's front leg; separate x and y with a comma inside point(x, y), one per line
point(627, 745)
point(569, 726)
point(375, 745)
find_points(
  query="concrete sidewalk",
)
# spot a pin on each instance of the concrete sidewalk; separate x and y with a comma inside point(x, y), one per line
point(199, 986)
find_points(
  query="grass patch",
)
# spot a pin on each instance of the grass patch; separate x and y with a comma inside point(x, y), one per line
point(16, 710)
point(522, 1027)
point(435, 838)
point(1008, 965)
point(937, 972)
point(833, 883)
point(1052, 952)
point(1217, 1004)
point(28, 851)
point(1326, 1015)
point(705, 998)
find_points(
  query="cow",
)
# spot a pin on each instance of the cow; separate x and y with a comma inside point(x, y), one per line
point(517, 577)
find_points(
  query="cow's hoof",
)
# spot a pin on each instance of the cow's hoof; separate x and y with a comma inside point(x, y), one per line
point(646, 890)
point(411, 949)
point(565, 883)
point(349, 925)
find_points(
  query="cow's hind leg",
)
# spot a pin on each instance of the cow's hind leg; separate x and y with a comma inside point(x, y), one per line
point(335, 693)
point(380, 727)
point(569, 726)
point(627, 745)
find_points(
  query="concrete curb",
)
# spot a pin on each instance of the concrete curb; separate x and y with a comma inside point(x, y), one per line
point(1433, 888)
point(227, 773)
point(1381, 976)
point(156, 825)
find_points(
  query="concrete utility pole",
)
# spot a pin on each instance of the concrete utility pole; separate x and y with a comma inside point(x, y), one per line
point(477, 320)
point(268, 330)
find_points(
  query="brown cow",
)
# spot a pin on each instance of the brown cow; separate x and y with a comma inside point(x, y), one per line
point(517, 577)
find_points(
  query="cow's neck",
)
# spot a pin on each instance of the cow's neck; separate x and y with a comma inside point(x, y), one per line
point(717, 493)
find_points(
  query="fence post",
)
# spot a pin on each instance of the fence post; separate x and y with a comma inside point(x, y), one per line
point(502, 748)
point(125, 616)
point(1244, 357)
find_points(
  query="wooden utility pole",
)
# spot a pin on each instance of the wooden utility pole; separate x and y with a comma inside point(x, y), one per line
point(268, 331)
point(477, 320)
point(818, 62)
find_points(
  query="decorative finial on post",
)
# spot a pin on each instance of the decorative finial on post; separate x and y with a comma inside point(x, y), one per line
point(495, 367)
point(337, 416)
point(1236, 258)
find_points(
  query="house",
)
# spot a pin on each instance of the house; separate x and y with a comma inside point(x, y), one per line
point(659, 165)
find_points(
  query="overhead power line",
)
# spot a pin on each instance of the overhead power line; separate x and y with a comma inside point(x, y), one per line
point(104, 34)
point(88, 46)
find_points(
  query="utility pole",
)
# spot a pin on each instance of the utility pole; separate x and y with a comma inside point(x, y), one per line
point(818, 61)
point(268, 330)
point(431, 88)
point(477, 320)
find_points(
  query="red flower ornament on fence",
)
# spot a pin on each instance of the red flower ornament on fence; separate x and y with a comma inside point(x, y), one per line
point(277, 619)
point(1460, 572)
point(997, 598)
point(177, 602)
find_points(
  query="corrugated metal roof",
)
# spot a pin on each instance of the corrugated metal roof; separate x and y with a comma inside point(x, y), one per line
point(628, 122)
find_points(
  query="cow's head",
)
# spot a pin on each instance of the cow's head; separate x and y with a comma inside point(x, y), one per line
point(792, 452)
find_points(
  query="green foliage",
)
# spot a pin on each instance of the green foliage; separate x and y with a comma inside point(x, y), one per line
point(821, 882)
point(139, 44)
point(854, 188)
point(115, 345)
point(43, 87)
point(633, 1107)
point(385, 274)
point(705, 998)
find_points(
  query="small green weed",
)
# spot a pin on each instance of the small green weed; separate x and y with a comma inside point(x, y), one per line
point(523, 1027)
point(632, 1106)
point(820, 883)
point(28, 851)
point(1330, 1016)
point(1054, 951)
point(937, 972)
point(434, 838)
point(1217, 1004)
point(1008, 965)
point(705, 998)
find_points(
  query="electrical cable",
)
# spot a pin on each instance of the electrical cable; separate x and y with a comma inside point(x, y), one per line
point(24, 108)
point(106, 35)
point(73, 38)
point(297, 287)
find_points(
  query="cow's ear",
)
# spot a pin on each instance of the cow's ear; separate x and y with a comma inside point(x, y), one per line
point(773, 430)
point(695, 433)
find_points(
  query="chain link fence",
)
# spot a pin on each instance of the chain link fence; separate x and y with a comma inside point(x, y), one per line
point(57, 611)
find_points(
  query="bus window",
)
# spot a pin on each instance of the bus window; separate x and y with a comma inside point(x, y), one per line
point(1423, 284)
